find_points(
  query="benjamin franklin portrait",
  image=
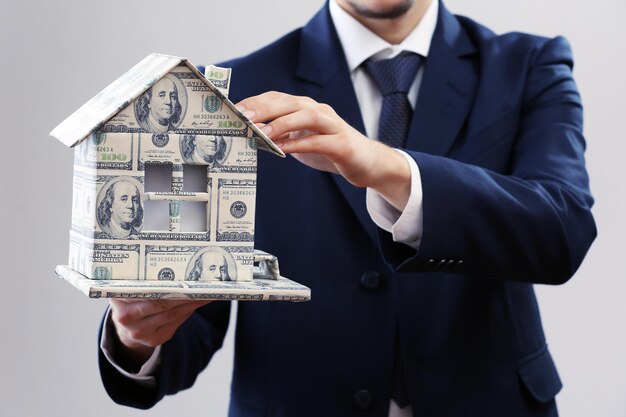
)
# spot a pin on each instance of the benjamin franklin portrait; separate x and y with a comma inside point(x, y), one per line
point(203, 150)
point(120, 213)
point(212, 264)
point(161, 108)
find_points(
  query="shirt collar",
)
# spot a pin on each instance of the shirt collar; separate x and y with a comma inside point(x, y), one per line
point(359, 43)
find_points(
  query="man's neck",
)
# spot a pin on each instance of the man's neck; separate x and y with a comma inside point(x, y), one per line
point(393, 30)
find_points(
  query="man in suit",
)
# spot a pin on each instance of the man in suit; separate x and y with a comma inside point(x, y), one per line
point(421, 256)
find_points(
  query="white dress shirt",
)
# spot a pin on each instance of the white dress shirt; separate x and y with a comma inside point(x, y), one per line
point(145, 376)
point(359, 44)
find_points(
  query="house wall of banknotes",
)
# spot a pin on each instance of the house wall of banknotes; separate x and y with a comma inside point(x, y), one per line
point(173, 151)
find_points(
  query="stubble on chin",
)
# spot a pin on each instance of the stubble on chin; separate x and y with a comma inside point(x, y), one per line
point(397, 10)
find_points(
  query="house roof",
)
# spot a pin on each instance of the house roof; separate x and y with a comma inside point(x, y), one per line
point(119, 94)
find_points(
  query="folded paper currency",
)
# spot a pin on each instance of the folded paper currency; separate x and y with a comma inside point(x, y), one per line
point(259, 289)
point(164, 186)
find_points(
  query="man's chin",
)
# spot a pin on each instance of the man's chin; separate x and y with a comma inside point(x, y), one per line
point(393, 11)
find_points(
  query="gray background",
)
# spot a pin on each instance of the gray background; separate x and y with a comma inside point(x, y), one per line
point(58, 54)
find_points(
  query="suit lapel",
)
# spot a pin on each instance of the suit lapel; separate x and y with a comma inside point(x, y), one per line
point(446, 91)
point(323, 66)
point(444, 100)
point(339, 94)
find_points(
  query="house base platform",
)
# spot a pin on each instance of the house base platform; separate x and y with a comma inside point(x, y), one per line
point(259, 289)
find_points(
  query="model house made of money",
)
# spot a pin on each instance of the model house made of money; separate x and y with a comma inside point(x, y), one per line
point(164, 181)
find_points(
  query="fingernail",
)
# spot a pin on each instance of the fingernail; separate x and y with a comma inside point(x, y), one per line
point(240, 108)
point(267, 129)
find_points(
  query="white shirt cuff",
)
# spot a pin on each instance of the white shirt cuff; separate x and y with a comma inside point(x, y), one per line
point(145, 376)
point(406, 226)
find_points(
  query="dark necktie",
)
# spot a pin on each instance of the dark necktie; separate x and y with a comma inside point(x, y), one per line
point(394, 78)
point(399, 390)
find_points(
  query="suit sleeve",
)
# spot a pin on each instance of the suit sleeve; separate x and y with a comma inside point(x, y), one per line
point(182, 359)
point(531, 224)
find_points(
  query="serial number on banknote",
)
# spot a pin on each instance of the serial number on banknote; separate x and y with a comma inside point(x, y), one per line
point(158, 259)
point(211, 116)
point(238, 192)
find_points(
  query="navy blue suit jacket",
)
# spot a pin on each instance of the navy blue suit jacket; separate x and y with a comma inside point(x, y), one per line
point(497, 135)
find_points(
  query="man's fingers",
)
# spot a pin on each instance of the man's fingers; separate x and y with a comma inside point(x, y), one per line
point(270, 105)
point(164, 306)
point(281, 137)
point(283, 116)
point(162, 334)
point(157, 333)
point(142, 329)
point(127, 313)
point(312, 144)
point(174, 314)
point(316, 161)
point(313, 118)
point(165, 332)
point(149, 307)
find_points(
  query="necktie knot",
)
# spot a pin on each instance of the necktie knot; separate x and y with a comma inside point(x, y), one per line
point(394, 78)
point(395, 75)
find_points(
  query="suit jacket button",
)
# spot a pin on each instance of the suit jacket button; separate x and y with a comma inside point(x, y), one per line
point(362, 399)
point(429, 263)
point(370, 280)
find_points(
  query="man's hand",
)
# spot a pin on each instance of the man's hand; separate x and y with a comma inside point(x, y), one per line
point(315, 135)
point(141, 325)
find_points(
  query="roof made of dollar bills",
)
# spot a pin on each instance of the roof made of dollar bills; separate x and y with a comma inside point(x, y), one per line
point(119, 94)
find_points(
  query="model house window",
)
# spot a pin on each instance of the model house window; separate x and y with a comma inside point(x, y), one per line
point(193, 216)
point(176, 197)
point(158, 177)
point(156, 215)
point(195, 178)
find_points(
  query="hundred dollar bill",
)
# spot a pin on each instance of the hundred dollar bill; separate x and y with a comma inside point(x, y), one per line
point(105, 260)
point(198, 263)
point(218, 153)
point(106, 151)
point(107, 102)
point(162, 94)
point(167, 263)
point(235, 210)
point(83, 201)
point(159, 148)
point(220, 77)
point(115, 261)
point(77, 201)
point(281, 289)
point(118, 209)
point(120, 206)
point(180, 103)
point(75, 260)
